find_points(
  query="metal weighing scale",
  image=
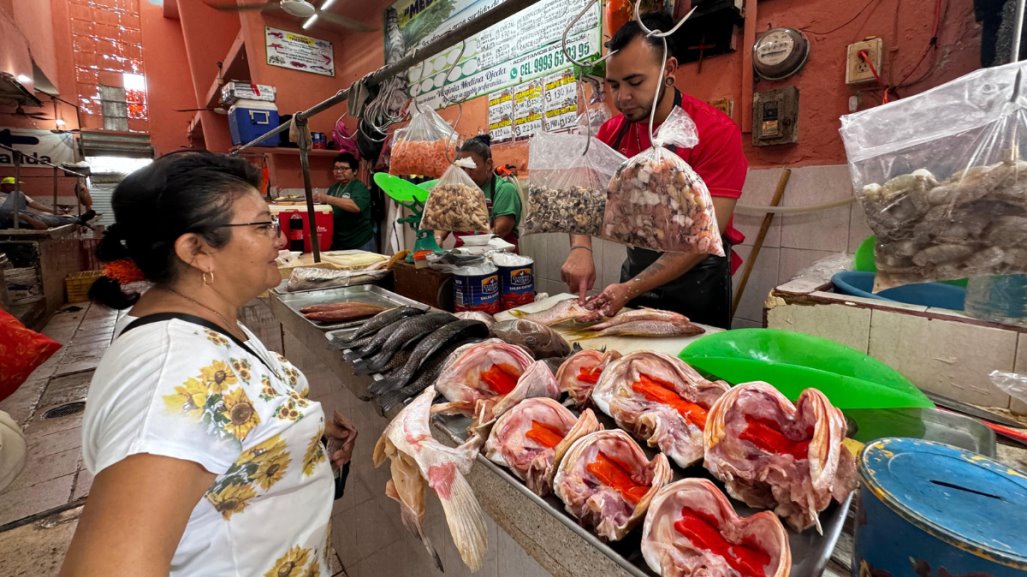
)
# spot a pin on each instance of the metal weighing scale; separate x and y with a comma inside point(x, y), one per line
point(412, 197)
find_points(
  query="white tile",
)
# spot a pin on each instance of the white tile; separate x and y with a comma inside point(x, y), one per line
point(760, 184)
point(794, 261)
point(405, 557)
point(823, 230)
point(845, 325)
point(762, 280)
point(749, 225)
point(858, 228)
point(1017, 405)
point(613, 257)
point(946, 357)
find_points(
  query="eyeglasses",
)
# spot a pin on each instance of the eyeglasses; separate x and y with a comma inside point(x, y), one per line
point(270, 228)
point(341, 169)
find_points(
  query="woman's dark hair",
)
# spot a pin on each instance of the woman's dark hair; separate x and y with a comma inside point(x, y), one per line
point(653, 21)
point(177, 194)
point(348, 159)
point(480, 145)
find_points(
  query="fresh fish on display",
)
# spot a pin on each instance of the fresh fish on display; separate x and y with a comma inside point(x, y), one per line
point(480, 371)
point(400, 331)
point(380, 321)
point(538, 339)
point(642, 314)
point(775, 455)
point(692, 529)
point(305, 278)
point(536, 381)
point(532, 437)
point(340, 312)
point(477, 316)
point(661, 400)
point(418, 461)
point(579, 374)
point(606, 482)
point(425, 351)
point(427, 376)
point(565, 311)
point(664, 329)
point(405, 335)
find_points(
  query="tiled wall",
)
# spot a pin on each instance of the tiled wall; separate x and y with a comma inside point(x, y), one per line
point(792, 243)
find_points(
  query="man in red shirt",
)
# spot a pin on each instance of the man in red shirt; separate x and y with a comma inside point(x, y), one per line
point(698, 286)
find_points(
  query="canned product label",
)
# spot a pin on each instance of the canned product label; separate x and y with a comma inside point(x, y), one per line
point(517, 286)
point(476, 293)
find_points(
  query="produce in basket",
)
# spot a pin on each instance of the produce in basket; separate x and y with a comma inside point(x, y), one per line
point(456, 203)
point(656, 201)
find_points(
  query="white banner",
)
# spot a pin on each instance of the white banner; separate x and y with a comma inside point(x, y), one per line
point(37, 145)
point(298, 52)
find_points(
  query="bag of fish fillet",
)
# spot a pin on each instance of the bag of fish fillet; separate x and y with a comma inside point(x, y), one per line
point(942, 178)
point(456, 203)
point(568, 176)
point(425, 147)
point(656, 201)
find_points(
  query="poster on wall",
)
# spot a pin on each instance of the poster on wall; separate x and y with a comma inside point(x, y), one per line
point(561, 101)
point(298, 52)
point(528, 109)
point(521, 48)
point(36, 146)
point(501, 115)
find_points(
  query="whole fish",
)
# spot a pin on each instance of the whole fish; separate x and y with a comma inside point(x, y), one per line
point(538, 339)
point(480, 371)
point(648, 329)
point(380, 321)
point(425, 377)
point(378, 340)
point(477, 316)
point(643, 314)
point(341, 312)
point(425, 351)
point(419, 462)
point(562, 312)
point(408, 333)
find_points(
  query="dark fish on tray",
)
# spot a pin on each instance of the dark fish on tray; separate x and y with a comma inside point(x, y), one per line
point(405, 334)
point(380, 321)
point(397, 362)
point(425, 351)
point(428, 374)
point(538, 339)
point(375, 341)
point(341, 312)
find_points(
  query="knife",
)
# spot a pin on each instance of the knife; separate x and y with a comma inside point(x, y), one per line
point(973, 411)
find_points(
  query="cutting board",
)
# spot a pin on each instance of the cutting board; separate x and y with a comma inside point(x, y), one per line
point(670, 346)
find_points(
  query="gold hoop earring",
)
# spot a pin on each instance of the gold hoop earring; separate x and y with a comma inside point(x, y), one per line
point(208, 278)
point(669, 81)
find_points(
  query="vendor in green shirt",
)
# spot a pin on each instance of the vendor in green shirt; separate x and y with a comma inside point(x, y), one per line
point(501, 196)
point(351, 205)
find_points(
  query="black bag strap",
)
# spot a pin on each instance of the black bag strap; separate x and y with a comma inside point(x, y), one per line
point(161, 317)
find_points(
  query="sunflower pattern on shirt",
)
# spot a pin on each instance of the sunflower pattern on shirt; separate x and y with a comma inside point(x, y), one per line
point(293, 563)
point(314, 456)
point(255, 471)
point(212, 399)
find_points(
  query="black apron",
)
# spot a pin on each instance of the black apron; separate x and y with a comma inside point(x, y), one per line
point(703, 294)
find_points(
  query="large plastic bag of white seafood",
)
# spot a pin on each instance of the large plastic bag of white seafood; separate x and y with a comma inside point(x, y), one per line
point(456, 203)
point(656, 201)
point(942, 180)
point(567, 183)
point(425, 147)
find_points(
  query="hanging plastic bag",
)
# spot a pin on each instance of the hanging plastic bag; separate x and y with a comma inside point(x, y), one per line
point(455, 203)
point(425, 147)
point(656, 201)
point(941, 178)
point(342, 139)
point(566, 184)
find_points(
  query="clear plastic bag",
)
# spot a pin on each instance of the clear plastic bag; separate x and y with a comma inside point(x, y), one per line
point(566, 184)
point(941, 179)
point(456, 203)
point(656, 201)
point(425, 147)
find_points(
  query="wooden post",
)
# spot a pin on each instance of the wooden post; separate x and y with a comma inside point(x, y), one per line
point(782, 183)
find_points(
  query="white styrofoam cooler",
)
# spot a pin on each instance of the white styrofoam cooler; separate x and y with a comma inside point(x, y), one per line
point(234, 91)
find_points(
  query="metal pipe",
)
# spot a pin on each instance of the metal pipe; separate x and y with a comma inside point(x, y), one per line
point(472, 27)
point(18, 194)
point(54, 190)
point(1017, 31)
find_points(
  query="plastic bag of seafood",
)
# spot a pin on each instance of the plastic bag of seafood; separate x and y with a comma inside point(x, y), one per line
point(456, 203)
point(568, 176)
point(656, 201)
point(942, 179)
point(425, 147)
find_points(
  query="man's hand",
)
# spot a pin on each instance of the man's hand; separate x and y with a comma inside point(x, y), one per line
point(342, 437)
point(320, 198)
point(579, 272)
point(611, 300)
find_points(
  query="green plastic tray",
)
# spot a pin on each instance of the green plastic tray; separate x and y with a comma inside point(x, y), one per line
point(793, 362)
point(399, 189)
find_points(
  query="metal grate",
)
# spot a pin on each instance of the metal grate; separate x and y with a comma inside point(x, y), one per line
point(65, 410)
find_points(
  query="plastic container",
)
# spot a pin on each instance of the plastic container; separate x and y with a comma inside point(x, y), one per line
point(930, 509)
point(998, 298)
point(77, 284)
point(931, 294)
point(323, 217)
point(234, 91)
point(248, 119)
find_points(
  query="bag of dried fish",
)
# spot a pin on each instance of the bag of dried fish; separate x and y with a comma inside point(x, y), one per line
point(656, 201)
point(942, 181)
point(456, 203)
point(425, 147)
point(568, 176)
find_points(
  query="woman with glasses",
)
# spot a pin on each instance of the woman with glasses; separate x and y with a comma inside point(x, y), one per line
point(206, 449)
point(351, 206)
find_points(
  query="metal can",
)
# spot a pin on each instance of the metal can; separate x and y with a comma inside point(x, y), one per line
point(318, 140)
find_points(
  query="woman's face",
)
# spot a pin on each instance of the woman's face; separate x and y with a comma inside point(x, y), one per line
point(342, 172)
point(245, 267)
point(482, 171)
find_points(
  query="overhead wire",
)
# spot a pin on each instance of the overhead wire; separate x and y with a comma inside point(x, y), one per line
point(843, 25)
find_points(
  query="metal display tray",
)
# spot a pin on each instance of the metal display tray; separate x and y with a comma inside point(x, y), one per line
point(810, 551)
point(365, 293)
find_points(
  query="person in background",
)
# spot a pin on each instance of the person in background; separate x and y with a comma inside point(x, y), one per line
point(501, 197)
point(698, 286)
point(351, 207)
point(85, 198)
point(34, 214)
point(207, 451)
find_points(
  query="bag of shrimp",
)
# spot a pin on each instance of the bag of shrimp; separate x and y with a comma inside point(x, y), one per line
point(456, 203)
point(567, 179)
point(425, 147)
point(657, 202)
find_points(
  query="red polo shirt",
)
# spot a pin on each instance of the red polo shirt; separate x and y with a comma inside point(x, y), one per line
point(717, 159)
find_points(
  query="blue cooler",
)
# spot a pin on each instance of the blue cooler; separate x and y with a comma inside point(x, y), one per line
point(248, 119)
